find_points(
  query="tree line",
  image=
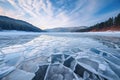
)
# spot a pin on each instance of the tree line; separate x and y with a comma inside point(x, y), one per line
point(111, 23)
point(7, 23)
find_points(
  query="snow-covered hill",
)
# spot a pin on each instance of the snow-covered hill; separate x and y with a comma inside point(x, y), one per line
point(66, 29)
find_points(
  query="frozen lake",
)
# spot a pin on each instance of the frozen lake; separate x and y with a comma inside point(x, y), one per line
point(60, 56)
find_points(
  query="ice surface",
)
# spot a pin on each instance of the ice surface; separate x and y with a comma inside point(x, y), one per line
point(102, 67)
point(60, 56)
point(70, 63)
point(86, 75)
point(19, 75)
point(5, 70)
point(40, 74)
point(59, 72)
point(89, 62)
point(57, 58)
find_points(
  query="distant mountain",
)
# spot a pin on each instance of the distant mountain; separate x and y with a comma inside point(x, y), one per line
point(112, 24)
point(7, 23)
point(65, 29)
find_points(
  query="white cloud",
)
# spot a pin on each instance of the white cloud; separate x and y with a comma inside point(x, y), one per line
point(1, 10)
point(42, 12)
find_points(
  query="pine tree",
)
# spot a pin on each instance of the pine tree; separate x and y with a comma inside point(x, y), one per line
point(110, 22)
point(117, 20)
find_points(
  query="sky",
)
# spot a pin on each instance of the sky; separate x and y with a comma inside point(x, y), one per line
point(47, 14)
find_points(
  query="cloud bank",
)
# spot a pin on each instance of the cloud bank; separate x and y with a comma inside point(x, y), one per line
point(60, 13)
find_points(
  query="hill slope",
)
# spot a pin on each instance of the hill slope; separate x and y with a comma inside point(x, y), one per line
point(7, 23)
point(65, 29)
point(112, 24)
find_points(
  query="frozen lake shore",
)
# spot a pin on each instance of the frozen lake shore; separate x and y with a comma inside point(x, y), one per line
point(60, 56)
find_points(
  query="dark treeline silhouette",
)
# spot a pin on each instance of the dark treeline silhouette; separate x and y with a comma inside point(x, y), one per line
point(112, 24)
point(7, 23)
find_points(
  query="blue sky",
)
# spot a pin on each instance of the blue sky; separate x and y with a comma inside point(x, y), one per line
point(60, 13)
